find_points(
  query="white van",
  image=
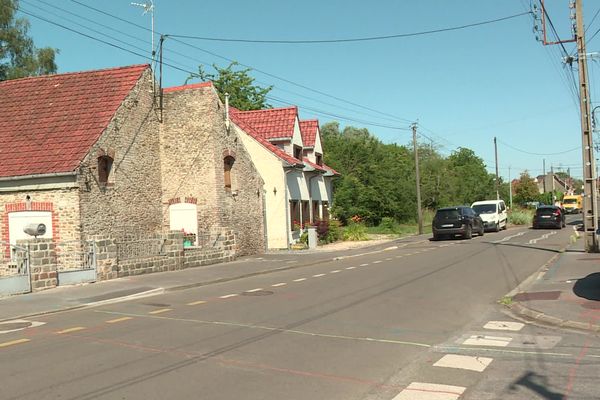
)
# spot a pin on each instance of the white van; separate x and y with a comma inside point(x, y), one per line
point(493, 213)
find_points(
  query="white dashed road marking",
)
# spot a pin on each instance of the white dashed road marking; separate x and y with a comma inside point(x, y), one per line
point(254, 290)
point(484, 340)
point(504, 325)
point(376, 262)
point(335, 271)
point(464, 362)
point(351, 267)
point(299, 279)
point(227, 296)
point(430, 391)
point(279, 284)
point(318, 275)
point(363, 265)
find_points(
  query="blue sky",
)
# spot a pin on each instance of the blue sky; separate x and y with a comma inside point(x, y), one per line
point(464, 87)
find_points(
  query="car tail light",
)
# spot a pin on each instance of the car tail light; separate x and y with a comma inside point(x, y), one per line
point(557, 213)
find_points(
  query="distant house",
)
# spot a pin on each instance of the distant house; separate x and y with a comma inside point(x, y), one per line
point(549, 182)
point(289, 158)
point(88, 154)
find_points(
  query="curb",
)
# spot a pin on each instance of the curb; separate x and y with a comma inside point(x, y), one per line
point(538, 316)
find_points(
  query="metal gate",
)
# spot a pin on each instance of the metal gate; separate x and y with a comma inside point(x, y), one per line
point(76, 262)
point(15, 275)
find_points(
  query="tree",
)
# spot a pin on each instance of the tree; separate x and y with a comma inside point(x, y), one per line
point(468, 179)
point(526, 189)
point(18, 55)
point(243, 93)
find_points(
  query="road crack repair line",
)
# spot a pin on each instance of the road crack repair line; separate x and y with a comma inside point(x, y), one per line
point(270, 329)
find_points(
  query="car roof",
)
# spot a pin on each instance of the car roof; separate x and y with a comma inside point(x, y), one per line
point(487, 202)
point(452, 208)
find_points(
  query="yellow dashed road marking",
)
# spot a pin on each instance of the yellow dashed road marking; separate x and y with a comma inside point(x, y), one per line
point(162, 310)
point(13, 342)
point(69, 330)
point(195, 303)
point(114, 321)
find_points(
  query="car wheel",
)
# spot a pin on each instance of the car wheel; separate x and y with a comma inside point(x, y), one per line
point(436, 237)
point(468, 232)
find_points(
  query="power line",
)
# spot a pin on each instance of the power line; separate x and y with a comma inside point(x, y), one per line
point(190, 72)
point(249, 66)
point(361, 39)
point(539, 154)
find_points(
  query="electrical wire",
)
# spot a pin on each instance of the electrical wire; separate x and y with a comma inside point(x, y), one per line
point(248, 66)
point(362, 39)
point(538, 154)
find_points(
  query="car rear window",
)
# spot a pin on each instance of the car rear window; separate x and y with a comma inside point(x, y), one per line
point(485, 208)
point(545, 211)
point(447, 214)
point(570, 201)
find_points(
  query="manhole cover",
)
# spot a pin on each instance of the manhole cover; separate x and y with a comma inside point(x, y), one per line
point(257, 293)
point(551, 295)
point(157, 305)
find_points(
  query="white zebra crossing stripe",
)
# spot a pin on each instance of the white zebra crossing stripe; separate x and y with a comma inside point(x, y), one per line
point(504, 325)
point(430, 391)
point(464, 362)
point(484, 340)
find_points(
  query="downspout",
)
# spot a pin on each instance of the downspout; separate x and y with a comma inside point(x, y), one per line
point(227, 122)
point(287, 208)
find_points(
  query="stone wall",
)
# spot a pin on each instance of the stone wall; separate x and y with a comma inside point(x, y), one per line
point(130, 201)
point(194, 143)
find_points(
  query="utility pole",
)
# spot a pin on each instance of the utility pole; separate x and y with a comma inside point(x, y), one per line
point(552, 177)
point(544, 173)
point(497, 182)
point(509, 188)
point(418, 179)
point(590, 205)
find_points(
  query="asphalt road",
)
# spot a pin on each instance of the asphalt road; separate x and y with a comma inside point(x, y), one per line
point(363, 327)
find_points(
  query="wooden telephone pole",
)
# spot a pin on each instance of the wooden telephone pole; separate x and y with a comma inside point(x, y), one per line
point(418, 179)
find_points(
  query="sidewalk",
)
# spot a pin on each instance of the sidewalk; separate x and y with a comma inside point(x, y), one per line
point(65, 298)
point(565, 293)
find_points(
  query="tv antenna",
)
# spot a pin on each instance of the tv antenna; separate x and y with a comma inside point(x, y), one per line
point(148, 8)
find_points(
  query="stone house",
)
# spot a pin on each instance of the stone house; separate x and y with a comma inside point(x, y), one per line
point(289, 157)
point(91, 154)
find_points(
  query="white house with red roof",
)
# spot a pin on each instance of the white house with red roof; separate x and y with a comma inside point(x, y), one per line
point(288, 155)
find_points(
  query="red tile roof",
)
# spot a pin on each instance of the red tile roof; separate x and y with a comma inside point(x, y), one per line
point(236, 118)
point(49, 123)
point(309, 130)
point(185, 87)
point(274, 123)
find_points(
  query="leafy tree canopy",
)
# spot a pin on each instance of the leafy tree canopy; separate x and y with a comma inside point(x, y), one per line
point(526, 189)
point(243, 93)
point(18, 55)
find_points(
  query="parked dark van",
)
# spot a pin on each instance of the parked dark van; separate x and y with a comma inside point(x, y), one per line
point(459, 220)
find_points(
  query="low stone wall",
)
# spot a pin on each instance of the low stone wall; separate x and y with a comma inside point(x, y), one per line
point(44, 267)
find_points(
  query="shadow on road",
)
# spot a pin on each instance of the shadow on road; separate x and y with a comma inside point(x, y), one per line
point(538, 384)
point(588, 287)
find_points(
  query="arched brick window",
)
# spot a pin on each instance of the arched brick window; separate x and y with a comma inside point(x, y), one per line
point(227, 166)
point(104, 169)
